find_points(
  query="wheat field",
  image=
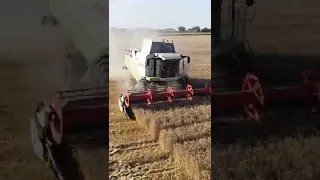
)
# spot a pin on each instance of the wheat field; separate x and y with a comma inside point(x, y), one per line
point(150, 147)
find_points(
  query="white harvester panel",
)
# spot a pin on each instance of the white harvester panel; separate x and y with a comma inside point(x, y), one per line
point(86, 22)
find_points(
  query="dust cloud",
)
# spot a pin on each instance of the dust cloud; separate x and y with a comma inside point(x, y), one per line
point(25, 42)
point(120, 40)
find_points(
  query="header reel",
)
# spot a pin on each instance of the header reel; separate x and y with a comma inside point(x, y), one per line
point(132, 97)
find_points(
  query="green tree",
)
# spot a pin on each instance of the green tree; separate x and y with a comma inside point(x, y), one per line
point(181, 28)
point(196, 28)
point(205, 30)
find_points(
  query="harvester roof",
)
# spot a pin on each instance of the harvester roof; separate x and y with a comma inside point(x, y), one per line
point(151, 46)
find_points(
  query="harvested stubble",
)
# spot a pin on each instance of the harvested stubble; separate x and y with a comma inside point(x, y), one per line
point(194, 157)
point(184, 129)
point(173, 115)
point(161, 169)
point(291, 158)
point(93, 163)
point(126, 133)
point(140, 156)
point(133, 154)
point(169, 137)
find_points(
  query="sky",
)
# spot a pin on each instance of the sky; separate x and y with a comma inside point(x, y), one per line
point(159, 14)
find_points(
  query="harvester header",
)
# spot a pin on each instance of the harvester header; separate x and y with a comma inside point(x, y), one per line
point(149, 96)
point(253, 96)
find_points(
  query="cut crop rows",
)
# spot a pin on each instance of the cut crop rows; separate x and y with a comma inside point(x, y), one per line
point(184, 131)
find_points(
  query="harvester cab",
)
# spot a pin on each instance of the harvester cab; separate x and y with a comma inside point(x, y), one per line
point(157, 72)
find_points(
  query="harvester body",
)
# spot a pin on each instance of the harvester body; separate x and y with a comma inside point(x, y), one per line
point(156, 63)
point(158, 73)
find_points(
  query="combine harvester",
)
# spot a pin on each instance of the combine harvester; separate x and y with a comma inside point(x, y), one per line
point(158, 73)
point(74, 110)
point(241, 78)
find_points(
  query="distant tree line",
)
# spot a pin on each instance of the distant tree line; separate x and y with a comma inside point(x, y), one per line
point(179, 29)
point(194, 28)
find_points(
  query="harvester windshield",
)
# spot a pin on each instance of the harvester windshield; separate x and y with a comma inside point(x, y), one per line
point(169, 68)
